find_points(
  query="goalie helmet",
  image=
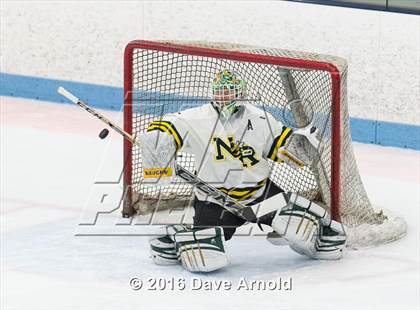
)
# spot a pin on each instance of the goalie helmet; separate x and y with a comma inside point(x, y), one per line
point(228, 89)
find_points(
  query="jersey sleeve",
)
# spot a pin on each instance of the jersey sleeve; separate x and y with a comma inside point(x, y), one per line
point(276, 137)
point(175, 126)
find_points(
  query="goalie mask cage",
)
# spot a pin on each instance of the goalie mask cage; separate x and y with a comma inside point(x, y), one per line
point(295, 87)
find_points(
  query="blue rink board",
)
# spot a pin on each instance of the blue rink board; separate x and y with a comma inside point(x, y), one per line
point(111, 98)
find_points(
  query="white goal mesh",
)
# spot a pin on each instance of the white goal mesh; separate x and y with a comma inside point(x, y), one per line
point(295, 87)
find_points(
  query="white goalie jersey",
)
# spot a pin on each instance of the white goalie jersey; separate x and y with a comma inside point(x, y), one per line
point(230, 154)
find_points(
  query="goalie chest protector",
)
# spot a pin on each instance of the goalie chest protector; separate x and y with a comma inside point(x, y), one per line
point(229, 154)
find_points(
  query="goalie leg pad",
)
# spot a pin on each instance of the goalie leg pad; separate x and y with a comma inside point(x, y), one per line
point(298, 221)
point(202, 250)
point(162, 246)
point(329, 243)
point(307, 228)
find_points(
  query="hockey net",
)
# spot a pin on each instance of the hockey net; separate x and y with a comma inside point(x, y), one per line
point(295, 87)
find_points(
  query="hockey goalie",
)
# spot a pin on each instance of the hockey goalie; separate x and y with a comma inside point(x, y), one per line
point(232, 142)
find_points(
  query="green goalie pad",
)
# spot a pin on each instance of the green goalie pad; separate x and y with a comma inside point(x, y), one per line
point(202, 250)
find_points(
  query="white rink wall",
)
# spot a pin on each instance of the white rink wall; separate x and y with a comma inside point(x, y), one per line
point(84, 42)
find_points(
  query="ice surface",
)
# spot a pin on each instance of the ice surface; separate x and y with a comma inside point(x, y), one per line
point(50, 158)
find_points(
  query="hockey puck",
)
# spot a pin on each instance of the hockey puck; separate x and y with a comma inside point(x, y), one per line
point(104, 133)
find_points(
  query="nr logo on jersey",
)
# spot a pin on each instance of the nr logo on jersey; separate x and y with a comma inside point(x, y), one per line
point(239, 150)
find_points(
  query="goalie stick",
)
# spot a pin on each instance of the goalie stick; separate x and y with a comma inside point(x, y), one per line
point(228, 203)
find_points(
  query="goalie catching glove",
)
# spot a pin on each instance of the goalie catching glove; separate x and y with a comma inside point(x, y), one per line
point(307, 228)
point(301, 147)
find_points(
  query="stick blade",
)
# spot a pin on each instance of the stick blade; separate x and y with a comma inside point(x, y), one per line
point(64, 92)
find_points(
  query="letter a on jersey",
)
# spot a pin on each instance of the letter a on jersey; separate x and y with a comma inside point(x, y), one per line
point(250, 125)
